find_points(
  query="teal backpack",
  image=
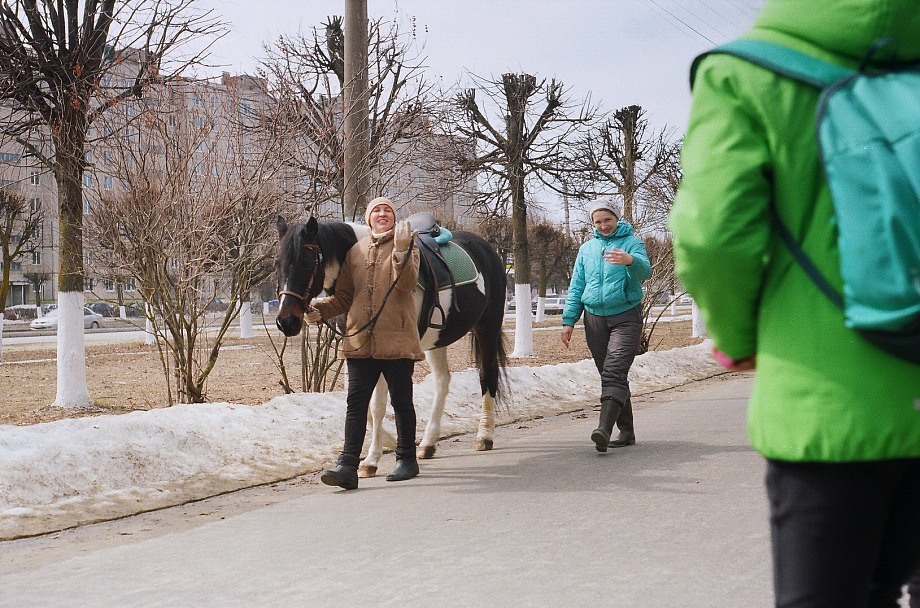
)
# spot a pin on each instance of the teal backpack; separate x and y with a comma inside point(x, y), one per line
point(868, 130)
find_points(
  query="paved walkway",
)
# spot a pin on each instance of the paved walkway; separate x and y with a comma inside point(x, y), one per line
point(678, 520)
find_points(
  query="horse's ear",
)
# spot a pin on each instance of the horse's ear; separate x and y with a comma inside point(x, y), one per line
point(282, 227)
point(312, 226)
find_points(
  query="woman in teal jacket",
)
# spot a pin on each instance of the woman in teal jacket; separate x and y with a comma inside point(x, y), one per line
point(607, 285)
point(837, 419)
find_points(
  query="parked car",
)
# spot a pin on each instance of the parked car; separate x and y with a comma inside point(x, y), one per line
point(21, 312)
point(103, 308)
point(91, 320)
point(134, 311)
point(554, 305)
point(46, 308)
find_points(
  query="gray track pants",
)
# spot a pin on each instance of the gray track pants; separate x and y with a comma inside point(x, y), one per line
point(613, 342)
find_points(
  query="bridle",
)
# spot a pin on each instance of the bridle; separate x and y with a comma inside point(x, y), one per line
point(317, 268)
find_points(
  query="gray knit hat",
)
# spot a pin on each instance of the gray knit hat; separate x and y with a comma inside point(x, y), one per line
point(605, 205)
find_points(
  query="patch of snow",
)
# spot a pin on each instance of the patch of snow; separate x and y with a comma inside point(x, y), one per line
point(76, 471)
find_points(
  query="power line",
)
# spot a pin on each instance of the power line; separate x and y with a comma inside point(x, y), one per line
point(684, 23)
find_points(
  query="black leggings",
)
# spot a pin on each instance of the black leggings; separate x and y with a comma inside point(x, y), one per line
point(844, 535)
point(362, 378)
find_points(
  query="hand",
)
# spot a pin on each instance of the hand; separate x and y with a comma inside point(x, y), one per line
point(567, 331)
point(313, 316)
point(617, 257)
point(734, 365)
point(402, 236)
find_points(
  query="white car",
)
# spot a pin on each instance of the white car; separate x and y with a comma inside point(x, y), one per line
point(554, 305)
point(91, 320)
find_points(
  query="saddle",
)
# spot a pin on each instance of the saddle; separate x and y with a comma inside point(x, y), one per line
point(443, 266)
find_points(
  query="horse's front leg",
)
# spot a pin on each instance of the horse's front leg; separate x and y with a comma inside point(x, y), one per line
point(379, 437)
point(437, 360)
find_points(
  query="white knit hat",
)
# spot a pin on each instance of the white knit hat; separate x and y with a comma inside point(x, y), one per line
point(380, 200)
point(605, 205)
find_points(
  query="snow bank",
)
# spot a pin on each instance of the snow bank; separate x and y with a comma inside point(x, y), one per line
point(77, 471)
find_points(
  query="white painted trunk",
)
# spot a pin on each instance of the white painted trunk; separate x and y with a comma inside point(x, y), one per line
point(2, 319)
point(541, 310)
point(698, 325)
point(123, 312)
point(265, 309)
point(38, 312)
point(71, 352)
point(246, 321)
point(149, 337)
point(674, 299)
point(523, 322)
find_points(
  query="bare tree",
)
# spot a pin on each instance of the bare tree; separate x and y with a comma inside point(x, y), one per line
point(20, 225)
point(307, 77)
point(192, 221)
point(552, 256)
point(526, 149)
point(623, 157)
point(57, 61)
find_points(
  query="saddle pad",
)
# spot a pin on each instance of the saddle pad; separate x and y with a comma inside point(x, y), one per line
point(458, 260)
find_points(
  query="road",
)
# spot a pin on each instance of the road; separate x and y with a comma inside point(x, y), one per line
point(678, 520)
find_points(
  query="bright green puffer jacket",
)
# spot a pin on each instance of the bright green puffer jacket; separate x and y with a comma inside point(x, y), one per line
point(605, 289)
point(821, 392)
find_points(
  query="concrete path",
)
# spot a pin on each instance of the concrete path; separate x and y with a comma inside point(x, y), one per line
point(678, 520)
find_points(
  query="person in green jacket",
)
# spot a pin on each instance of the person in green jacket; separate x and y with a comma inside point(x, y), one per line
point(607, 286)
point(837, 419)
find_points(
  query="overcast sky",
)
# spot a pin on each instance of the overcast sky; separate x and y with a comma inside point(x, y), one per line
point(621, 51)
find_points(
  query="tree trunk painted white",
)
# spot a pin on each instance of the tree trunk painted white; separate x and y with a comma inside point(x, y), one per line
point(523, 322)
point(265, 309)
point(541, 310)
point(674, 299)
point(697, 324)
point(71, 352)
point(246, 321)
point(149, 337)
point(39, 313)
point(123, 312)
point(2, 319)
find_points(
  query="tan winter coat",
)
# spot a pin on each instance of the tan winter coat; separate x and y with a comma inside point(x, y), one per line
point(369, 269)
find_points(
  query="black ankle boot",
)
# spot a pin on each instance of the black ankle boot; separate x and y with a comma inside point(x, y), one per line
point(610, 410)
point(627, 435)
point(406, 468)
point(344, 475)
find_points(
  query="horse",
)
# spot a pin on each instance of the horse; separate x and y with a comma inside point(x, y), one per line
point(309, 258)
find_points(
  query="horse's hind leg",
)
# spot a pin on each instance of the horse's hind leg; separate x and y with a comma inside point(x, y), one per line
point(488, 382)
point(379, 437)
point(437, 360)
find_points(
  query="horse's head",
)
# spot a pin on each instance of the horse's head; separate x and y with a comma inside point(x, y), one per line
point(299, 267)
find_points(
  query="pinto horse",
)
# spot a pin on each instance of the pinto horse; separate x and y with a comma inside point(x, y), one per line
point(310, 256)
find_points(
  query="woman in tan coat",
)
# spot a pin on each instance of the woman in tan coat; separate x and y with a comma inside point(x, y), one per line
point(377, 265)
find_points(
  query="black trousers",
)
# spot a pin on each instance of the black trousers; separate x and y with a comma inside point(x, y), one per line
point(362, 378)
point(613, 342)
point(844, 535)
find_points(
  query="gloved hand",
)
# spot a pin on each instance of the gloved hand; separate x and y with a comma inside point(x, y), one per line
point(313, 316)
point(402, 236)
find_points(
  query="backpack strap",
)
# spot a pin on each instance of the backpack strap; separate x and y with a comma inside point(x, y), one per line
point(780, 59)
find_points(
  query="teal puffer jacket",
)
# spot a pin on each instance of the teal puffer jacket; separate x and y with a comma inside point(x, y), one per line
point(822, 393)
point(605, 289)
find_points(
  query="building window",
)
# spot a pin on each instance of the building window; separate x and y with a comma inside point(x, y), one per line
point(88, 284)
point(89, 155)
point(107, 182)
point(34, 178)
point(108, 284)
point(36, 205)
point(87, 206)
point(87, 180)
point(36, 258)
point(130, 284)
point(9, 157)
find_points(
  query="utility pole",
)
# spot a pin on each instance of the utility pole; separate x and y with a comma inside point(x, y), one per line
point(355, 98)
